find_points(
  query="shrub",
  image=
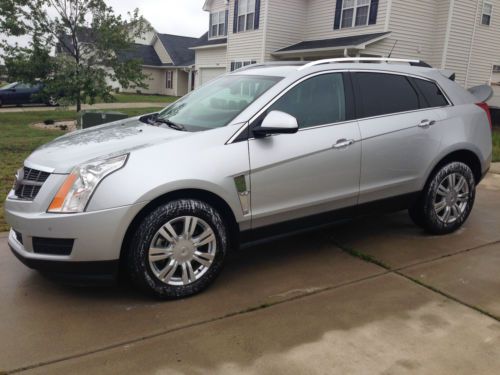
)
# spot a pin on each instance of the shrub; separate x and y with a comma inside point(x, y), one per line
point(48, 121)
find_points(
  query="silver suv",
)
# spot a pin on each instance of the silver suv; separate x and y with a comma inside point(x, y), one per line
point(259, 151)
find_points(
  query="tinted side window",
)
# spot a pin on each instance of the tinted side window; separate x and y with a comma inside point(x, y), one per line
point(432, 94)
point(317, 101)
point(381, 94)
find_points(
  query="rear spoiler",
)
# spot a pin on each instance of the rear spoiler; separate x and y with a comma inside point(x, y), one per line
point(482, 93)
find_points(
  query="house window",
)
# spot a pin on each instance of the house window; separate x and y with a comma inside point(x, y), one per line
point(170, 80)
point(218, 24)
point(487, 12)
point(496, 68)
point(235, 65)
point(355, 13)
point(246, 15)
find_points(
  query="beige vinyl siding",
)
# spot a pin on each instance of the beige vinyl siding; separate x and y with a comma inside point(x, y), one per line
point(320, 18)
point(438, 48)
point(485, 49)
point(413, 26)
point(153, 81)
point(211, 57)
point(285, 25)
point(182, 83)
point(246, 45)
point(161, 52)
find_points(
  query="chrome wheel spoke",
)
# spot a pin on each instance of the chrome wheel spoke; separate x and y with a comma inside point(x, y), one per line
point(188, 275)
point(451, 181)
point(440, 206)
point(455, 212)
point(167, 273)
point(156, 254)
point(204, 259)
point(447, 213)
point(205, 238)
point(461, 183)
point(190, 224)
point(169, 233)
point(442, 191)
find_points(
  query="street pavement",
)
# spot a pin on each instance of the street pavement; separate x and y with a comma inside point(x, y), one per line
point(371, 296)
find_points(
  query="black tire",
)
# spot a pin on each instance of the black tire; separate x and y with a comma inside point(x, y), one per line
point(426, 215)
point(1, 103)
point(139, 266)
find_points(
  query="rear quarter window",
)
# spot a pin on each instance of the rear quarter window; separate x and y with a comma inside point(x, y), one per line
point(433, 96)
point(383, 93)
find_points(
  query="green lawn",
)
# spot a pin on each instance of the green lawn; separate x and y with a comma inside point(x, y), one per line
point(18, 140)
point(496, 145)
point(141, 98)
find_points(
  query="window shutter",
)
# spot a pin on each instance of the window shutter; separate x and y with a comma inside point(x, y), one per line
point(227, 20)
point(338, 15)
point(372, 20)
point(235, 19)
point(257, 14)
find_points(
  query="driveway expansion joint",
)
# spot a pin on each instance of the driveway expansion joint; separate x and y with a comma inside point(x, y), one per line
point(397, 271)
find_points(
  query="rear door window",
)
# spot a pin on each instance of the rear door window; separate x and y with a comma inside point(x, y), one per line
point(383, 93)
point(433, 96)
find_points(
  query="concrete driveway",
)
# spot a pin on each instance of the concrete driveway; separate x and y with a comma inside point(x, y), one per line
point(372, 296)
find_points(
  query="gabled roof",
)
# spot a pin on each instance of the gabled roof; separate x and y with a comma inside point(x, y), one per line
point(203, 41)
point(356, 41)
point(146, 54)
point(178, 48)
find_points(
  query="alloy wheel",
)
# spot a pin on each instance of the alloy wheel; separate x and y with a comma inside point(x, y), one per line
point(452, 198)
point(182, 251)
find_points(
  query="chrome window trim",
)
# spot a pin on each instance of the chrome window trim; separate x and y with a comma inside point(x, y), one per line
point(330, 71)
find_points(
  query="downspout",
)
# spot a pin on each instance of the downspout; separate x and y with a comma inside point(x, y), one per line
point(447, 35)
point(471, 44)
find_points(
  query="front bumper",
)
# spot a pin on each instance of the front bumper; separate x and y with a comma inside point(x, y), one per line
point(97, 236)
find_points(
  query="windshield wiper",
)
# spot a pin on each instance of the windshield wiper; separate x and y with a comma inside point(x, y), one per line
point(171, 124)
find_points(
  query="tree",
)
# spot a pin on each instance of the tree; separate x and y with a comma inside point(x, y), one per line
point(76, 47)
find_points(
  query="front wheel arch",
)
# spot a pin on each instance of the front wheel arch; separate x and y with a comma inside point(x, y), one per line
point(208, 197)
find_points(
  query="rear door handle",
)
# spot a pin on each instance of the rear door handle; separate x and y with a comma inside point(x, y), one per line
point(343, 143)
point(426, 123)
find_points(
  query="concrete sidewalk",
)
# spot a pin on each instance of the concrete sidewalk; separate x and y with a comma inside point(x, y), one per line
point(371, 296)
point(98, 106)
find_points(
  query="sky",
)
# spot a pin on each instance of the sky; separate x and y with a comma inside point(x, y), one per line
point(180, 17)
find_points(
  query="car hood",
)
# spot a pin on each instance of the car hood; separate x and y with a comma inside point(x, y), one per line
point(117, 138)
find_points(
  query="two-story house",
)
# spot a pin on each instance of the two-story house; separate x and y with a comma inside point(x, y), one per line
point(460, 35)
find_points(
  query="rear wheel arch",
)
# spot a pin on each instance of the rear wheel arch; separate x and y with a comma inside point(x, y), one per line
point(208, 197)
point(467, 157)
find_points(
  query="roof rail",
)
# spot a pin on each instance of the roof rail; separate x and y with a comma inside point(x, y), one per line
point(269, 64)
point(357, 59)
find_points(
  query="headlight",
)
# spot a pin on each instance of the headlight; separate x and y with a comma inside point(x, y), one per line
point(75, 192)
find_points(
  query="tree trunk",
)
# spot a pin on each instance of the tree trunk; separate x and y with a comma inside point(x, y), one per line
point(78, 103)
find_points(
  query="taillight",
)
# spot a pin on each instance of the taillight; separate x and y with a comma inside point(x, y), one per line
point(486, 108)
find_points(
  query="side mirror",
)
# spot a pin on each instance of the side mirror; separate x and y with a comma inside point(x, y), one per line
point(277, 122)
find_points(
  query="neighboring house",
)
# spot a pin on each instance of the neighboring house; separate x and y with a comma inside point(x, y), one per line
point(166, 59)
point(168, 62)
point(459, 35)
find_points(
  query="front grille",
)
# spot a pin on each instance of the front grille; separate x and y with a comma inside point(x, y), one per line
point(29, 181)
point(31, 174)
point(52, 246)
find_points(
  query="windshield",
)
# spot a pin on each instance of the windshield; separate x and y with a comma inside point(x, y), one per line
point(9, 86)
point(218, 103)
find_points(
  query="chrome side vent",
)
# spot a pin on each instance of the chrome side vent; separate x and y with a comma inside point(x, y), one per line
point(243, 193)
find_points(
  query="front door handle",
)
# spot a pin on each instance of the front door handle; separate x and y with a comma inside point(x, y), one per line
point(343, 143)
point(426, 123)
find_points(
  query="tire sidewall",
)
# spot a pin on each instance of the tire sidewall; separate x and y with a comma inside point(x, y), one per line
point(139, 266)
point(432, 221)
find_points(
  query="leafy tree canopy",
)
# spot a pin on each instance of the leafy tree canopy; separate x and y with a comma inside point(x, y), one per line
point(75, 48)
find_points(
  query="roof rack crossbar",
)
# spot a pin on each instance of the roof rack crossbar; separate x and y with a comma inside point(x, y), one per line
point(357, 59)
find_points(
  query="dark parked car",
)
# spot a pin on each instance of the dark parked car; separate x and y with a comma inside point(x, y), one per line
point(19, 93)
